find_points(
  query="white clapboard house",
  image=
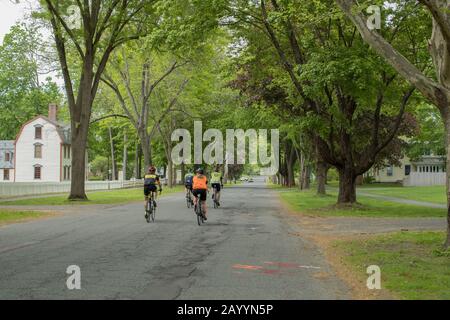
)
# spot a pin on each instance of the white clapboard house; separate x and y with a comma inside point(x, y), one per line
point(42, 150)
point(426, 171)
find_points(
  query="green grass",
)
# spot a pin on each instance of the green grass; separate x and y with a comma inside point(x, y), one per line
point(413, 265)
point(14, 216)
point(100, 197)
point(435, 194)
point(308, 202)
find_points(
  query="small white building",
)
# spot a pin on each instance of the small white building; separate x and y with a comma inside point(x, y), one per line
point(428, 170)
point(6, 161)
point(43, 150)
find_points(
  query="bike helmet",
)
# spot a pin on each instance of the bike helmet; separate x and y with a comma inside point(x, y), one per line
point(200, 171)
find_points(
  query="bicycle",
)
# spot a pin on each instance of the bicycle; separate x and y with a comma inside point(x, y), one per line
point(199, 212)
point(189, 200)
point(150, 212)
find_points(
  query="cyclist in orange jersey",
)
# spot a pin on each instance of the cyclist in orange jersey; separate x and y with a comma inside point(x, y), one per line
point(200, 189)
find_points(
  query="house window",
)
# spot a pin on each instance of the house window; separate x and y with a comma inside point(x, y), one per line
point(37, 173)
point(38, 151)
point(67, 173)
point(7, 157)
point(407, 170)
point(390, 171)
point(38, 133)
point(6, 174)
point(66, 152)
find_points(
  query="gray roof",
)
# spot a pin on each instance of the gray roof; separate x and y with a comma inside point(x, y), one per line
point(6, 146)
point(63, 130)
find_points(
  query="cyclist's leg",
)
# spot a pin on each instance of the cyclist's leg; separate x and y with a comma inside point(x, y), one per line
point(154, 193)
point(218, 193)
point(203, 197)
point(194, 193)
point(146, 194)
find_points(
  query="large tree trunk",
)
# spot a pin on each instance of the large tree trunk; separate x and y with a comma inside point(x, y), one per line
point(146, 149)
point(447, 126)
point(307, 178)
point(80, 119)
point(79, 144)
point(322, 169)
point(347, 186)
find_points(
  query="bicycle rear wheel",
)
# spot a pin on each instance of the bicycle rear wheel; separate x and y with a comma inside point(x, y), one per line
point(149, 211)
point(199, 213)
point(153, 214)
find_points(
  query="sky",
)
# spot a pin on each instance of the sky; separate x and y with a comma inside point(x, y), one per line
point(10, 13)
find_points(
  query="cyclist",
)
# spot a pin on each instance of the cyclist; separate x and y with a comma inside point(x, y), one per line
point(217, 183)
point(188, 183)
point(200, 189)
point(151, 181)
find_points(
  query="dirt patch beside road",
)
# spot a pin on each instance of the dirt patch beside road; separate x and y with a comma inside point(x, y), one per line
point(325, 232)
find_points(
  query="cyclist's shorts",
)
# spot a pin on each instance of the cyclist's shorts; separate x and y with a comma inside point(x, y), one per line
point(149, 188)
point(216, 186)
point(188, 186)
point(201, 193)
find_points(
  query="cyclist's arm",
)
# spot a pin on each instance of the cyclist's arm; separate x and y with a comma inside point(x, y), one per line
point(158, 182)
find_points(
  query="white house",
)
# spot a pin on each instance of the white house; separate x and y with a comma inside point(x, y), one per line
point(428, 170)
point(43, 150)
point(6, 161)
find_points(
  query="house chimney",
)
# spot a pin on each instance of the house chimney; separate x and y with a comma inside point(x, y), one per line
point(53, 111)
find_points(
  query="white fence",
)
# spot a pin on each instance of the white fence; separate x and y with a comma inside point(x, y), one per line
point(416, 179)
point(16, 189)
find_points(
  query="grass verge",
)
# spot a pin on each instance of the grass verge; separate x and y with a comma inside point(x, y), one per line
point(99, 197)
point(12, 216)
point(435, 194)
point(413, 265)
point(307, 202)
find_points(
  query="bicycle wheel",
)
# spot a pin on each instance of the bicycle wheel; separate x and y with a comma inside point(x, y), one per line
point(198, 211)
point(149, 211)
point(153, 213)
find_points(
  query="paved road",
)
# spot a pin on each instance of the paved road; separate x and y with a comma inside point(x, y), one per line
point(247, 250)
